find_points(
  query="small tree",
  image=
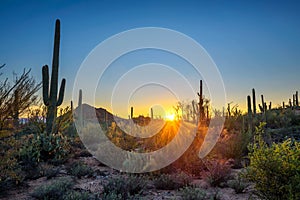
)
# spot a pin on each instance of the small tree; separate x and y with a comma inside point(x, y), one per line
point(17, 97)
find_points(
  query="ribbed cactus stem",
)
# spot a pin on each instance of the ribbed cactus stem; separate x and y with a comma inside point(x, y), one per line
point(50, 99)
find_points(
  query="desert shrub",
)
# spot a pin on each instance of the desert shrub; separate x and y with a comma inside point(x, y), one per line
point(48, 170)
point(275, 169)
point(234, 146)
point(111, 196)
point(80, 169)
point(53, 148)
point(193, 193)
point(10, 170)
point(55, 190)
point(124, 186)
point(239, 184)
point(170, 182)
point(217, 173)
point(76, 195)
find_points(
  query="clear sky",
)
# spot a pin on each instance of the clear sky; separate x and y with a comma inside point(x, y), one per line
point(254, 44)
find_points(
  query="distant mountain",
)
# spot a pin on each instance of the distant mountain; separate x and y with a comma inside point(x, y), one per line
point(88, 112)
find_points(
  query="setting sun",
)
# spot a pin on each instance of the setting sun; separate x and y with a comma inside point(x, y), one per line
point(170, 117)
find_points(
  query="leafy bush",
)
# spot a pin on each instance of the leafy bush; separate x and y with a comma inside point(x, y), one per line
point(275, 169)
point(55, 190)
point(193, 193)
point(217, 173)
point(171, 181)
point(239, 185)
point(79, 169)
point(124, 186)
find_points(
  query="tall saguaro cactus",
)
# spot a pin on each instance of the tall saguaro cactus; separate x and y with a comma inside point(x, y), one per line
point(296, 98)
point(152, 117)
point(201, 101)
point(254, 101)
point(50, 99)
point(80, 111)
point(131, 113)
point(250, 123)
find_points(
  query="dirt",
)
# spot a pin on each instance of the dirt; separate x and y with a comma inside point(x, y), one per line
point(95, 184)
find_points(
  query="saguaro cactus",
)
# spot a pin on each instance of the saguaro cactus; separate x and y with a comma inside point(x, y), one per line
point(80, 112)
point(131, 113)
point(152, 117)
point(50, 99)
point(201, 101)
point(249, 113)
point(254, 101)
point(296, 98)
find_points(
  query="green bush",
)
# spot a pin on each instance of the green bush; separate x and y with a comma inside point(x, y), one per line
point(193, 193)
point(171, 181)
point(275, 169)
point(55, 190)
point(52, 148)
point(79, 169)
point(239, 185)
point(124, 186)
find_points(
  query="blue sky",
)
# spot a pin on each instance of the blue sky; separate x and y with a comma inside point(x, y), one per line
point(254, 44)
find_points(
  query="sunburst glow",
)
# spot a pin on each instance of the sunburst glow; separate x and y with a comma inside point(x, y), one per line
point(170, 117)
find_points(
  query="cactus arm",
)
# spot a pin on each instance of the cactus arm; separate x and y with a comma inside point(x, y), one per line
point(61, 93)
point(45, 73)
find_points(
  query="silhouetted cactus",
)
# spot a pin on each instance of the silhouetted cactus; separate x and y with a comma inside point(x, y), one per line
point(249, 113)
point(263, 106)
point(152, 117)
point(131, 113)
point(254, 101)
point(50, 99)
point(296, 98)
point(80, 111)
point(201, 101)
